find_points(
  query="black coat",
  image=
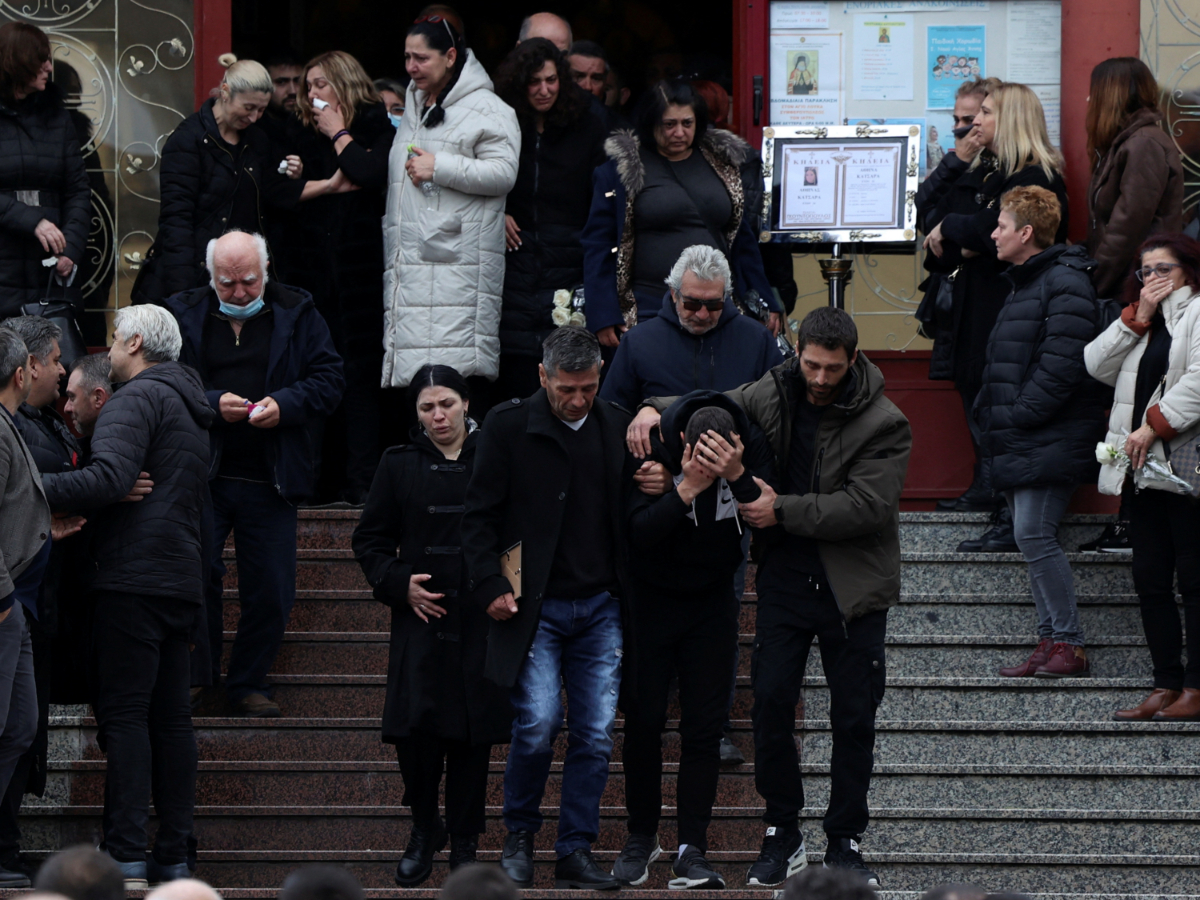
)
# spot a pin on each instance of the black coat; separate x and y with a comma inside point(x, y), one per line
point(199, 187)
point(550, 204)
point(334, 244)
point(39, 151)
point(304, 376)
point(967, 205)
point(1040, 412)
point(411, 526)
point(158, 423)
point(522, 473)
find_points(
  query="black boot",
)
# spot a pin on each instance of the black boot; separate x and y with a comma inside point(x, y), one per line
point(417, 863)
point(463, 848)
point(997, 539)
point(979, 497)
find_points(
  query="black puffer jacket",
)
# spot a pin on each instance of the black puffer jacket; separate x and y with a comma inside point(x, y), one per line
point(158, 423)
point(550, 204)
point(1040, 411)
point(202, 185)
point(39, 151)
point(411, 525)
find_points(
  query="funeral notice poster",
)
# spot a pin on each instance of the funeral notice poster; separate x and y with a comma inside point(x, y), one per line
point(840, 185)
point(883, 58)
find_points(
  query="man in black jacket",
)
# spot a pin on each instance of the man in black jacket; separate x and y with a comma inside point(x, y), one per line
point(270, 370)
point(687, 545)
point(146, 578)
point(552, 474)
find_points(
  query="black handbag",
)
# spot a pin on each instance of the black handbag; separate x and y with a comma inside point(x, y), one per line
point(60, 311)
point(936, 311)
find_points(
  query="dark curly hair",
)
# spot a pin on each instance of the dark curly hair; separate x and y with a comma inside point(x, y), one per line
point(518, 69)
point(649, 112)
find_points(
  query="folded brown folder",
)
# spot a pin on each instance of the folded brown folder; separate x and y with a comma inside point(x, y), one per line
point(510, 567)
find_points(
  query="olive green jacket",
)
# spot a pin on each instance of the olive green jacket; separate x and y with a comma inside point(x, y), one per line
point(859, 463)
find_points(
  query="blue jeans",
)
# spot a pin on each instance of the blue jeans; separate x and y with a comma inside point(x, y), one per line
point(1036, 512)
point(577, 645)
point(264, 529)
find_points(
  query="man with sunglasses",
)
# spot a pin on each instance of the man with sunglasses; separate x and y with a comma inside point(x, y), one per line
point(698, 342)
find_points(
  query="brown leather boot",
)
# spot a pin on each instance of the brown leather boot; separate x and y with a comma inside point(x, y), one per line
point(1066, 661)
point(1160, 698)
point(1038, 658)
point(1185, 709)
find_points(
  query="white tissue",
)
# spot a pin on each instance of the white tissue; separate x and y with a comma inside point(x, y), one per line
point(320, 104)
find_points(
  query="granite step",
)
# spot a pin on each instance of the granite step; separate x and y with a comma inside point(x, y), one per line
point(932, 532)
point(953, 618)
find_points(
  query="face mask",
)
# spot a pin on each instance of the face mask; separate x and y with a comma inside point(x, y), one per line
point(395, 119)
point(252, 308)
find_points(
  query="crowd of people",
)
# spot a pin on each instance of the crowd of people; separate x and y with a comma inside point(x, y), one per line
point(605, 422)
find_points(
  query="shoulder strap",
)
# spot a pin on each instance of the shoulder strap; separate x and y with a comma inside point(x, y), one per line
point(722, 244)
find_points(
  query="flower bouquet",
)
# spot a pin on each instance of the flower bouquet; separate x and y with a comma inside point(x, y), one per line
point(568, 308)
point(1152, 471)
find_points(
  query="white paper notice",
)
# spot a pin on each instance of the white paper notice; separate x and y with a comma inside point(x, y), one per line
point(1051, 97)
point(806, 78)
point(883, 57)
point(1035, 41)
point(869, 189)
point(840, 186)
point(787, 14)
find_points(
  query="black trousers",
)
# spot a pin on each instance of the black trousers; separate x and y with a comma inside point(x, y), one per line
point(145, 722)
point(791, 612)
point(422, 757)
point(31, 767)
point(1163, 531)
point(695, 635)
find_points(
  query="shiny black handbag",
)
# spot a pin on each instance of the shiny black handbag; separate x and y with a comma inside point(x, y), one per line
point(60, 311)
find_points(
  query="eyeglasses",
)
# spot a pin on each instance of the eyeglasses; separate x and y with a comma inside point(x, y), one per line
point(437, 20)
point(691, 304)
point(1162, 270)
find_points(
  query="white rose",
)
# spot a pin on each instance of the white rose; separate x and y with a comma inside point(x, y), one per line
point(579, 319)
point(1103, 456)
point(560, 316)
point(562, 299)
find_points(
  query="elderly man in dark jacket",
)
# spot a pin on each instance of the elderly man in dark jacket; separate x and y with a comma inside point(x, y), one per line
point(147, 581)
point(1040, 412)
point(551, 473)
point(699, 342)
point(270, 370)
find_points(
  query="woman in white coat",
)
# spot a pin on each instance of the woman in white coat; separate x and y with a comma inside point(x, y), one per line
point(444, 225)
point(1151, 355)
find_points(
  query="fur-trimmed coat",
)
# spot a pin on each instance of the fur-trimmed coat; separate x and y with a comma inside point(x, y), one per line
point(611, 230)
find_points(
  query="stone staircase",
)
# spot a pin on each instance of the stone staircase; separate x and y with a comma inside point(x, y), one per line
point(1012, 784)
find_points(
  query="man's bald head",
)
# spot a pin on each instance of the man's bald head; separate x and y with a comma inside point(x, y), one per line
point(237, 267)
point(183, 889)
point(555, 29)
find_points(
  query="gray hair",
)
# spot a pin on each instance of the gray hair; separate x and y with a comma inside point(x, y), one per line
point(395, 85)
point(705, 262)
point(260, 243)
point(13, 355)
point(38, 334)
point(570, 349)
point(94, 372)
point(242, 75)
point(161, 340)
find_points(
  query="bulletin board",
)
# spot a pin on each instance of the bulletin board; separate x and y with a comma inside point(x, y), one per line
point(890, 62)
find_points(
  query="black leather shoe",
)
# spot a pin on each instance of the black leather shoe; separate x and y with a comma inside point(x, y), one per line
point(463, 850)
point(517, 857)
point(417, 863)
point(580, 871)
point(997, 539)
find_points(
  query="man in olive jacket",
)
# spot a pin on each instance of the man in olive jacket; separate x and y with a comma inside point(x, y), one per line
point(829, 568)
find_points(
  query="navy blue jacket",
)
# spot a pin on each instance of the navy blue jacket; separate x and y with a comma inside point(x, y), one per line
point(661, 359)
point(304, 376)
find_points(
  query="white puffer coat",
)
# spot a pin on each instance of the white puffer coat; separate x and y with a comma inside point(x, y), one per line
point(1113, 358)
point(445, 261)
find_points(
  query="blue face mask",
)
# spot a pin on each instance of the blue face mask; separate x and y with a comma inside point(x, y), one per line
point(252, 308)
point(395, 119)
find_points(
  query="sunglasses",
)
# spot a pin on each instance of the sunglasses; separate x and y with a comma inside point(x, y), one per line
point(691, 304)
point(1162, 270)
point(437, 20)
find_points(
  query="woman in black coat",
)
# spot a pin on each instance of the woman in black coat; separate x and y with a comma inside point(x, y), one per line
point(1041, 413)
point(439, 706)
point(1009, 148)
point(562, 143)
point(45, 201)
point(217, 174)
point(335, 245)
